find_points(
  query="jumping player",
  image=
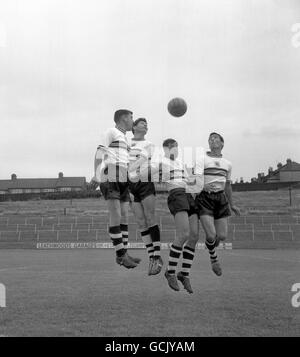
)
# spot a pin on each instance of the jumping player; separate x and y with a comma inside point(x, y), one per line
point(182, 206)
point(143, 192)
point(111, 170)
point(215, 201)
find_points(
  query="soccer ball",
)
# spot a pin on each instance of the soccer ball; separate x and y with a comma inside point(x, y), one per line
point(177, 107)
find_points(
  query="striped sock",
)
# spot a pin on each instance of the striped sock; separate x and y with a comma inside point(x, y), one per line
point(155, 237)
point(174, 257)
point(124, 231)
point(146, 238)
point(211, 249)
point(116, 237)
point(187, 260)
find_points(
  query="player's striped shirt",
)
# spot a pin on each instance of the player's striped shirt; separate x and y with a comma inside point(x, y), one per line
point(115, 145)
point(172, 172)
point(113, 151)
point(140, 148)
point(217, 171)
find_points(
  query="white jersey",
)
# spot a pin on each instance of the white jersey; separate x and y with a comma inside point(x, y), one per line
point(197, 172)
point(217, 171)
point(172, 172)
point(140, 148)
point(113, 150)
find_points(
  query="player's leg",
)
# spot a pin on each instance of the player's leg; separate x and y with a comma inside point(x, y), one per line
point(138, 211)
point(124, 206)
point(149, 210)
point(205, 203)
point(111, 193)
point(115, 233)
point(221, 217)
point(188, 253)
point(221, 226)
point(182, 234)
point(208, 225)
point(113, 206)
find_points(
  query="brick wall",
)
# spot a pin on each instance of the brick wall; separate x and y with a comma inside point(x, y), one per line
point(281, 231)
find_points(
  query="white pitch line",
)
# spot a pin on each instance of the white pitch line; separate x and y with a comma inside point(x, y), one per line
point(16, 268)
point(265, 258)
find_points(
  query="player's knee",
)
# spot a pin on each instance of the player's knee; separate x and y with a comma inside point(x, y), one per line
point(115, 219)
point(151, 219)
point(124, 215)
point(191, 244)
point(142, 224)
point(222, 236)
point(194, 237)
point(185, 235)
point(210, 237)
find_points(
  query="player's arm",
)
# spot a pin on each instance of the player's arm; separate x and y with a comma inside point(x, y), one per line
point(195, 179)
point(228, 192)
point(138, 163)
point(155, 167)
point(101, 153)
point(95, 179)
point(190, 179)
point(145, 154)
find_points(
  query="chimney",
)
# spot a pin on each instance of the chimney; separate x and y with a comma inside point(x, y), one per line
point(13, 177)
point(279, 165)
point(270, 170)
point(260, 177)
point(289, 162)
point(60, 175)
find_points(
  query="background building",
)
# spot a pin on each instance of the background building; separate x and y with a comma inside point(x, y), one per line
point(42, 185)
point(290, 172)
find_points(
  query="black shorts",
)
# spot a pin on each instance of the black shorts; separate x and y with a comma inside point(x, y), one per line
point(115, 190)
point(179, 200)
point(213, 204)
point(141, 190)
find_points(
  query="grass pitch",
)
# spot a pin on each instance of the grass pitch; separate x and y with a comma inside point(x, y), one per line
point(85, 293)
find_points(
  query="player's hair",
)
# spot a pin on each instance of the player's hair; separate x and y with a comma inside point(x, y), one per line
point(119, 113)
point(135, 123)
point(220, 136)
point(169, 143)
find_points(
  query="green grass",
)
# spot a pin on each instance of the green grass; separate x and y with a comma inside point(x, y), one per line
point(84, 293)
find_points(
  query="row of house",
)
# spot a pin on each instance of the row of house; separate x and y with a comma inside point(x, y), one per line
point(290, 172)
point(42, 185)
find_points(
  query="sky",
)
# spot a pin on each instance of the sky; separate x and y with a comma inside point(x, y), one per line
point(67, 65)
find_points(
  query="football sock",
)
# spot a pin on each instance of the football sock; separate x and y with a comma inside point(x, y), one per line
point(116, 237)
point(155, 237)
point(174, 257)
point(124, 231)
point(211, 249)
point(187, 260)
point(146, 238)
